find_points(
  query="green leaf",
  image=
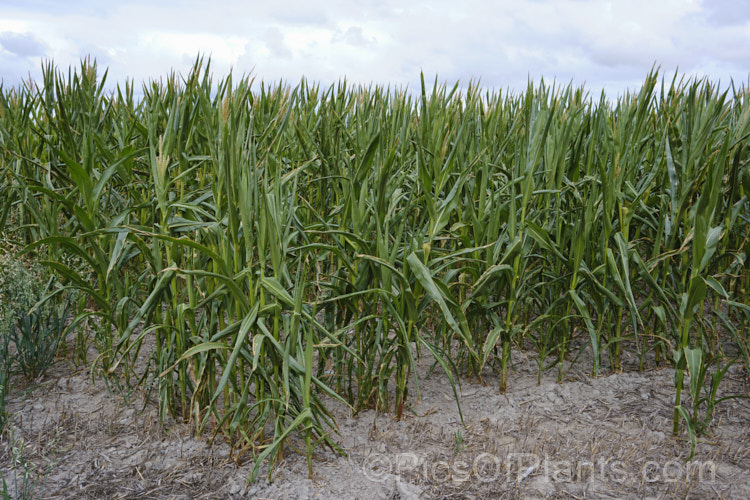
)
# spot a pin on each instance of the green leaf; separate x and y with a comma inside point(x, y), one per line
point(694, 362)
point(425, 278)
point(196, 349)
point(716, 286)
point(695, 296)
point(690, 426)
point(543, 240)
point(712, 241)
point(490, 275)
point(247, 323)
point(441, 361)
point(274, 287)
point(593, 335)
point(490, 342)
point(151, 302)
point(303, 416)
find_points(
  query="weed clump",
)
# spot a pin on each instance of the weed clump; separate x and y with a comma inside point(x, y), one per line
point(32, 321)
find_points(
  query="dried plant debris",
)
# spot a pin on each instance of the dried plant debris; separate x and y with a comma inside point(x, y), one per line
point(595, 438)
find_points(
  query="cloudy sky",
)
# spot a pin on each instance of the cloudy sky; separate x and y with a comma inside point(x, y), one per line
point(607, 45)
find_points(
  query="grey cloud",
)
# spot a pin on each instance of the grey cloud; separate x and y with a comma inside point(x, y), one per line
point(619, 57)
point(355, 36)
point(22, 44)
point(726, 12)
point(274, 40)
point(16, 70)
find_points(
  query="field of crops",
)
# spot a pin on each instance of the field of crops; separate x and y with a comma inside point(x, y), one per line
point(270, 248)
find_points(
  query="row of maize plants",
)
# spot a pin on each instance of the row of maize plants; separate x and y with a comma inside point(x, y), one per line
point(268, 249)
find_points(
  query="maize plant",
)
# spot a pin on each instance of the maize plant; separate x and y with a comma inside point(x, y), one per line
point(270, 249)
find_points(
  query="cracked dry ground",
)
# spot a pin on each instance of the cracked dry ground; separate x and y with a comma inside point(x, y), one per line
point(607, 437)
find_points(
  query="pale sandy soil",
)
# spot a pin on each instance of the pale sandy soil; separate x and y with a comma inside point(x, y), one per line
point(584, 438)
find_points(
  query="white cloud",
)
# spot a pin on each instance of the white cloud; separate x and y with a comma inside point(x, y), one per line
point(222, 49)
point(610, 44)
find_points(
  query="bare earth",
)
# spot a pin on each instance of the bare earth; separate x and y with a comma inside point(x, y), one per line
point(608, 437)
